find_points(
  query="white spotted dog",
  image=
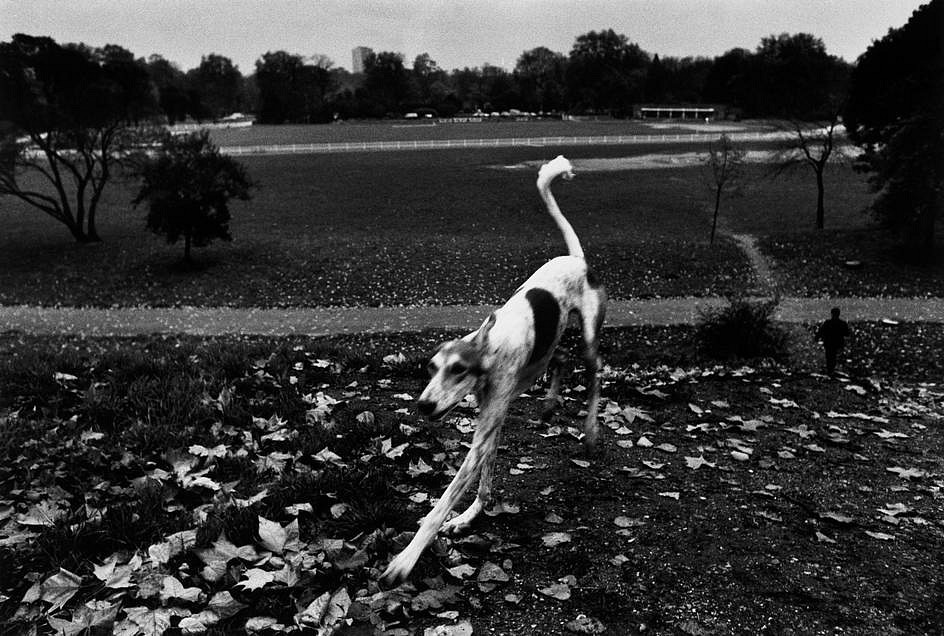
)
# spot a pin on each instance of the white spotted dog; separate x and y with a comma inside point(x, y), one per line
point(504, 357)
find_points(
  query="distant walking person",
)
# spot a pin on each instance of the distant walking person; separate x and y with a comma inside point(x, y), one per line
point(833, 333)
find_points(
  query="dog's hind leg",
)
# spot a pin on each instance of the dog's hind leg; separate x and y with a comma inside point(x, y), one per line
point(554, 369)
point(592, 314)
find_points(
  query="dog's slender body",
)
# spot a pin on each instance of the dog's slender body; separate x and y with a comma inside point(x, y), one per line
point(513, 348)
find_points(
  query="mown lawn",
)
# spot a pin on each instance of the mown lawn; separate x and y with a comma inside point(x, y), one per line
point(231, 485)
point(457, 227)
point(388, 228)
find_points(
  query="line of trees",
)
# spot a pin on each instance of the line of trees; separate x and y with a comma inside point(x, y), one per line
point(604, 73)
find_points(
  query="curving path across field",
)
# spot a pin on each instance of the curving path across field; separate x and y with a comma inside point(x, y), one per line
point(323, 321)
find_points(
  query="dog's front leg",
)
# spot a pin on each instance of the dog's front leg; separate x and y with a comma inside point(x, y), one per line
point(484, 445)
point(483, 497)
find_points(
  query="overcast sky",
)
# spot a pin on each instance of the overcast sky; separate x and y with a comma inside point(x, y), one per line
point(456, 33)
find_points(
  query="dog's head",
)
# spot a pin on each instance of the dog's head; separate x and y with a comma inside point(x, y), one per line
point(454, 372)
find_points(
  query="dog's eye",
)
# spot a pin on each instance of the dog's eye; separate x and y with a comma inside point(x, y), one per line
point(459, 368)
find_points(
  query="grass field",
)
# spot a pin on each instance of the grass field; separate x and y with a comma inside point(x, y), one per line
point(385, 228)
point(453, 226)
point(227, 484)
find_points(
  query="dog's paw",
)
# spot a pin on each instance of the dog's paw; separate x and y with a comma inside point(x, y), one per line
point(461, 524)
point(397, 571)
point(456, 526)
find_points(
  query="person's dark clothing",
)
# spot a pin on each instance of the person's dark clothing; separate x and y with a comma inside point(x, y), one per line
point(833, 333)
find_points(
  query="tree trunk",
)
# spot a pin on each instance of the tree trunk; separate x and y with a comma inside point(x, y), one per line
point(926, 246)
point(187, 259)
point(820, 197)
point(714, 222)
point(78, 234)
point(92, 233)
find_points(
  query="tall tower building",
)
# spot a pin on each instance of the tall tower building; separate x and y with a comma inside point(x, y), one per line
point(359, 56)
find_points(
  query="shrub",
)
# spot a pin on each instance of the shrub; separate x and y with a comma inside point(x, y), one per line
point(742, 329)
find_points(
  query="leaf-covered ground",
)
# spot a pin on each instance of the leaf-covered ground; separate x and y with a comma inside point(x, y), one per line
point(815, 264)
point(228, 485)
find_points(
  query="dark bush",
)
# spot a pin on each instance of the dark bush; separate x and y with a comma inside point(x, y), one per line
point(742, 329)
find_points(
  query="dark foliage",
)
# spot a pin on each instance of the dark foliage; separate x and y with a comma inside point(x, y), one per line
point(896, 115)
point(74, 117)
point(743, 329)
point(188, 187)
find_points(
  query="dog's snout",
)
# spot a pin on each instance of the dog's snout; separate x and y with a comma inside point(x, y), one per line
point(425, 407)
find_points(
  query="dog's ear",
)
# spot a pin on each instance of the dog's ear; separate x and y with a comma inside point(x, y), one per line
point(481, 336)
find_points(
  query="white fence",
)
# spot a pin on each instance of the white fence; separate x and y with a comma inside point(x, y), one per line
point(508, 142)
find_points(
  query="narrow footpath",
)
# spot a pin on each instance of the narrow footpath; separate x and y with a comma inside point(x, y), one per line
point(325, 321)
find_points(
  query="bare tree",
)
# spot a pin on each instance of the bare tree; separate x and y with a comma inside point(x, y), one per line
point(72, 116)
point(812, 144)
point(724, 169)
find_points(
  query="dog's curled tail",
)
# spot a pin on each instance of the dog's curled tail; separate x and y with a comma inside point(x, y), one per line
point(558, 167)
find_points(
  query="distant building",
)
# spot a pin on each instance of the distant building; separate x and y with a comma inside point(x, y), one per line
point(674, 111)
point(359, 55)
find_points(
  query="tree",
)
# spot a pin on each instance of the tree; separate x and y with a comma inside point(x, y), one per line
point(793, 76)
point(171, 85)
point(606, 72)
point(895, 113)
point(725, 171)
point(291, 90)
point(386, 79)
point(72, 112)
point(811, 144)
point(541, 78)
point(218, 85)
point(187, 188)
point(426, 80)
point(728, 80)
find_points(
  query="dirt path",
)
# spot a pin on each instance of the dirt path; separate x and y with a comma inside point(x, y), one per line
point(321, 321)
point(766, 283)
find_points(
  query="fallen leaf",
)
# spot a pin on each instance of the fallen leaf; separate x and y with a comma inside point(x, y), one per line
point(552, 539)
point(697, 462)
point(584, 624)
point(560, 591)
point(837, 517)
point(907, 473)
point(463, 628)
point(59, 588)
point(880, 535)
point(173, 588)
point(892, 510)
point(491, 572)
point(419, 468)
point(463, 571)
point(255, 579)
point(823, 538)
point(627, 522)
